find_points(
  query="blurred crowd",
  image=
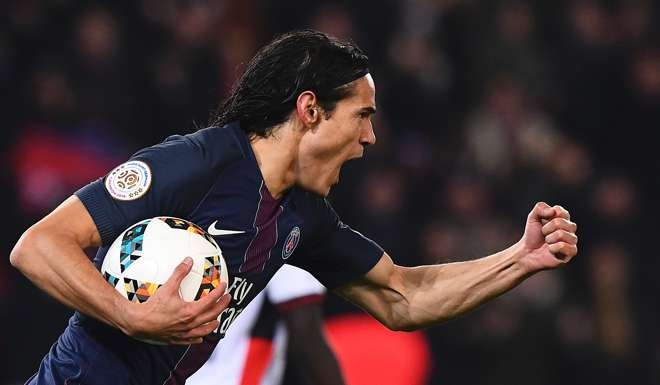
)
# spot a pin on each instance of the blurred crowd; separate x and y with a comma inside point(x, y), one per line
point(484, 108)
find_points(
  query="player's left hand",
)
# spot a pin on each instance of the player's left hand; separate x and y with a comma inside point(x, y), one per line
point(549, 240)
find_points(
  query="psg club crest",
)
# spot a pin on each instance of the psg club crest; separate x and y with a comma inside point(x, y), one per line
point(291, 242)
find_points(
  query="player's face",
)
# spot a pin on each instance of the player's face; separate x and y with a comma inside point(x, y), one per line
point(343, 136)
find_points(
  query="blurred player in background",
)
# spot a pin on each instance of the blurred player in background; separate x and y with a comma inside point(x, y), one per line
point(258, 182)
point(286, 317)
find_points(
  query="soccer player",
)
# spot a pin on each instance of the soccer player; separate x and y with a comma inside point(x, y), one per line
point(257, 181)
point(286, 314)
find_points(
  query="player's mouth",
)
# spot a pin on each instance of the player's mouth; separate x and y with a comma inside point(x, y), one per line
point(349, 159)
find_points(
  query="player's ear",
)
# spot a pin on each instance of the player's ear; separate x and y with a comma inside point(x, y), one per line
point(307, 110)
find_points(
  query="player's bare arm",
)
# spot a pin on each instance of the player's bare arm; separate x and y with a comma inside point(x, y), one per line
point(51, 254)
point(409, 298)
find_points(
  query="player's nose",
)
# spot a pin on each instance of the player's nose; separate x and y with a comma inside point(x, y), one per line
point(368, 136)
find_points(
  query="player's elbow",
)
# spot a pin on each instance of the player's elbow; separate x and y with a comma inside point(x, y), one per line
point(399, 317)
point(400, 326)
point(403, 318)
point(396, 322)
point(14, 256)
point(25, 253)
point(413, 322)
point(21, 250)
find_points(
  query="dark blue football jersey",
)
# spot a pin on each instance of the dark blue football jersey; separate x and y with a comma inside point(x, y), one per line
point(212, 179)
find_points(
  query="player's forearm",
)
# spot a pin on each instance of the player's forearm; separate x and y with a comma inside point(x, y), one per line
point(433, 294)
point(59, 266)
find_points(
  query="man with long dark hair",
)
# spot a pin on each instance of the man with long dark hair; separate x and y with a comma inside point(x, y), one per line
point(257, 181)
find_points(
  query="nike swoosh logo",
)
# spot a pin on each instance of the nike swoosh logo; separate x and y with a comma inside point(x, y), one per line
point(215, 231)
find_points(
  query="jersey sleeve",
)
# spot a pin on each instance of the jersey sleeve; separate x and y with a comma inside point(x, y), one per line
point(166, 179)
point(336, 254)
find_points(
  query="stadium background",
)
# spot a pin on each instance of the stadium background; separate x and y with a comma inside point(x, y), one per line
point(484, 108)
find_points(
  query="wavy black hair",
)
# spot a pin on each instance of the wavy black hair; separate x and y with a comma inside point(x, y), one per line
point(307, 60)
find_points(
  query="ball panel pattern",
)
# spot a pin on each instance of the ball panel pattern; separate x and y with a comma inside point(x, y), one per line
point(138, 291)
point(176, 223)
point(111, 278)
point(131, 244)
point(210, 276)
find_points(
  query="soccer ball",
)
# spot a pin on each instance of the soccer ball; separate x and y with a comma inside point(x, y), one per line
point(145, 255)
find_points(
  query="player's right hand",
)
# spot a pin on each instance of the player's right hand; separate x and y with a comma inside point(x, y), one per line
point(166, 317)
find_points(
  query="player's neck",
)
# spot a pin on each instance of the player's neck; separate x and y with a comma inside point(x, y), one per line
point(276, 156)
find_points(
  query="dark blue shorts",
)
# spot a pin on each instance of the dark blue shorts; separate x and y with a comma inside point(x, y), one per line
point(78, 358)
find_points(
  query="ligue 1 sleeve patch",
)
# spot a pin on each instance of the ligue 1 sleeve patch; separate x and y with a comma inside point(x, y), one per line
point(129, 181)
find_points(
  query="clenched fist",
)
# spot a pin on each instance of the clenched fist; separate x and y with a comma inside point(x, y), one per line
point(549, 240)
